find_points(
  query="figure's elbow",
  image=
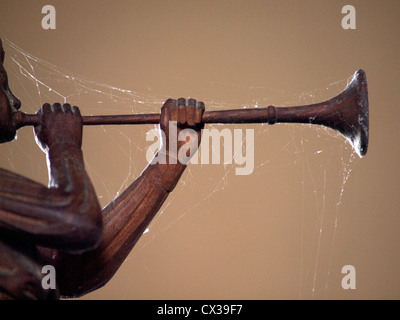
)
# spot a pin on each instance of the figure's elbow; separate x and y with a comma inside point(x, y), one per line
point(86, 229)
point(75, 228)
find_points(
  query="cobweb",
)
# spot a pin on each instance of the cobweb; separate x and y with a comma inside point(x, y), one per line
point(314, 153)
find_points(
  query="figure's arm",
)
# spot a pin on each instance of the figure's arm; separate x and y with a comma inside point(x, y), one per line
point(126, 218)
point(65, 215)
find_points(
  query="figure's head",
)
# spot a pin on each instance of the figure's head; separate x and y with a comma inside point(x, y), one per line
point(1, 52)
point(9, 104)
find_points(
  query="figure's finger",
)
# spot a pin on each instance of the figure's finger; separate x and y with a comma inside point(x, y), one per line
point(76, 112)
point(167, 104)
point(173, 115)
point(182, 111)
point(66, 108)
point(199, 111)
point(182, 102)
point(191, 112)
point(56, 108)
point(165, 111)
point(46, 109)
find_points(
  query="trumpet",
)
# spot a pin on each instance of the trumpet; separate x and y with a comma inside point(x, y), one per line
point(347, 113)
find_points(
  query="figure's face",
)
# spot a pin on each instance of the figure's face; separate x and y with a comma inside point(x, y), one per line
point(9, 104)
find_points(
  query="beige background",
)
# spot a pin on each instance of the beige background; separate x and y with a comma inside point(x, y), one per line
point(310, 207)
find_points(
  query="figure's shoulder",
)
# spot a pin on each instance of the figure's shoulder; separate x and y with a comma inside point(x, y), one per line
point(6, 175)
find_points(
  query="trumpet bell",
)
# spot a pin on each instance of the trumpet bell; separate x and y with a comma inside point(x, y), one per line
point(350, 113)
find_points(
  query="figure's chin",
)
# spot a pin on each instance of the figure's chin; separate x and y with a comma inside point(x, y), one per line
point(7, 136)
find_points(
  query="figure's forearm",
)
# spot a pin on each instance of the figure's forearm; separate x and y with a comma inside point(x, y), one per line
point(65, 163)
point(146, 192)
point(67, 174)
point(124, 220)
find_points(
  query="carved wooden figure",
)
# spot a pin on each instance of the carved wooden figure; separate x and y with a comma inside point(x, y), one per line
point(62, 225)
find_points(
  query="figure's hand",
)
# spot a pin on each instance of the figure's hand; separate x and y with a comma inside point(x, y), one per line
point(60, 124)
point(178, 115)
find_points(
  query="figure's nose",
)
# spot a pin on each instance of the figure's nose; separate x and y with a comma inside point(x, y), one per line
point(14, 101)
point(17, 103)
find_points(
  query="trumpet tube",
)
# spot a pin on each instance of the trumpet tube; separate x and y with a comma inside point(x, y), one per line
point(347, 113)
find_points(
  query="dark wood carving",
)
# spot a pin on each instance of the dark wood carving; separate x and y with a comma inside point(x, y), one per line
point(63, 225)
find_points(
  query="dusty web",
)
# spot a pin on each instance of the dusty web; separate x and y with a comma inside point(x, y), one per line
point(321, 158)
